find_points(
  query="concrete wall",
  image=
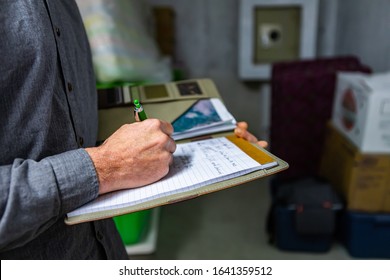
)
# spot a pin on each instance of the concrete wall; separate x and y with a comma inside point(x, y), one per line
point(364, 30)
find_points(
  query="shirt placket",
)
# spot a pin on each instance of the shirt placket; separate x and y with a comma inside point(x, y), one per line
point(69, 88)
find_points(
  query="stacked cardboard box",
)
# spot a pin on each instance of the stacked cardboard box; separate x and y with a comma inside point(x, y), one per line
point(362, 179)
point(356, 161)
point(361, 110)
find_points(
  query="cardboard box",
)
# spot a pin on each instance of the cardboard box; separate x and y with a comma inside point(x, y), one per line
point(361, 110)
point(362, 179)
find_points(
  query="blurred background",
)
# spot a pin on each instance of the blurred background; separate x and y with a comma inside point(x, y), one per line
point(308, 76)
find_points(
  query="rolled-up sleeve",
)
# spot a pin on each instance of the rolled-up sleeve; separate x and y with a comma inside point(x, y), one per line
point(34, 195)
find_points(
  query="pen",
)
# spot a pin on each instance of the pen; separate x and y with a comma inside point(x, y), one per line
point(139, 110)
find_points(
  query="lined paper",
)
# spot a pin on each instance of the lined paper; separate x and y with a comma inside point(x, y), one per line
point(195, 164)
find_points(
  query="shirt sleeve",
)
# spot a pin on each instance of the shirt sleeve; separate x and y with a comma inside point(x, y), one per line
point(34, 195)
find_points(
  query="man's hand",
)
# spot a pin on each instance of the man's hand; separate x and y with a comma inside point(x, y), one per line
point(135, 155)
point(242, 131)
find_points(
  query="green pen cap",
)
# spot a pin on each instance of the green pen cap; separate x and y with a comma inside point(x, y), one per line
point(136, 103)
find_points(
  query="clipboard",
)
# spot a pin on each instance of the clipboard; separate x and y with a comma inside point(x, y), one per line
point(167, 104)
point(256, 152)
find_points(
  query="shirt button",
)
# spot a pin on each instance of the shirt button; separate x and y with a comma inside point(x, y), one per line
point(58, 32)
point(81, 141)
point(70, 87)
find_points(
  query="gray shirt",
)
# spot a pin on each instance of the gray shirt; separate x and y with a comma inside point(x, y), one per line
point(48, 113)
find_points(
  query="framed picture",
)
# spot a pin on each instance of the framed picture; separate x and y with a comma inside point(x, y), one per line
point(272, 31)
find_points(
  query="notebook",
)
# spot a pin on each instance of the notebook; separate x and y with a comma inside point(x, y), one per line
point(199, 167)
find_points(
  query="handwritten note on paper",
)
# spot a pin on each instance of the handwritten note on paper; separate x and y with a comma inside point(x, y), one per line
point(195, 165)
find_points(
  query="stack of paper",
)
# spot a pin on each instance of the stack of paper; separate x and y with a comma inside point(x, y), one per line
point(206, 116)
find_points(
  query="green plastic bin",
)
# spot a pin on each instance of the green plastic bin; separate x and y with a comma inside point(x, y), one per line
point(133, 227)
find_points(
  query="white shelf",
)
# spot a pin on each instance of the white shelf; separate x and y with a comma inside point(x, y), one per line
point(148, 244)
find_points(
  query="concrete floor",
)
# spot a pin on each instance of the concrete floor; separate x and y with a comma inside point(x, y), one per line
point(226, 225)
